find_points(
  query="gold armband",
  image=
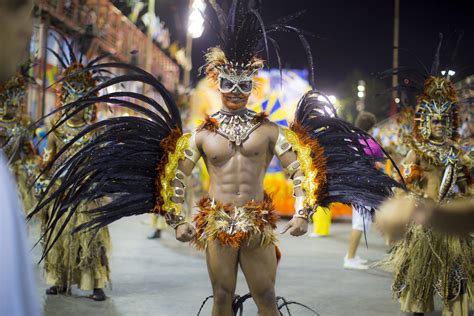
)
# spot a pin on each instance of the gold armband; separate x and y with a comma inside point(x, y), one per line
point(293, 168)
point(174, 220)
point(297, 182)
point(192, 152)
point(282, 145)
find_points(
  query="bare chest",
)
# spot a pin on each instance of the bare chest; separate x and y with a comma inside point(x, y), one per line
point(219, 150)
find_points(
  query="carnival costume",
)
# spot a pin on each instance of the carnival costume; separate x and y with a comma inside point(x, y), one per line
point(428, 262)
point(81, 258)
point(15, 139)
point(135, 160)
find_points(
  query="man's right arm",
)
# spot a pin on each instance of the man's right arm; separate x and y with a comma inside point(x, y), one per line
point(184, 230)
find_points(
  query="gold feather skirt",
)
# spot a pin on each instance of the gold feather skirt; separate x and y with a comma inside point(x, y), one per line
point(232, 225)
point(79, 259)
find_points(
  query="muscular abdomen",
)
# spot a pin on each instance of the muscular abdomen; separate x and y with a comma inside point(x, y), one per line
point(237, 172)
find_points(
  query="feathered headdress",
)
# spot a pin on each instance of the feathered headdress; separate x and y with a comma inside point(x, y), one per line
point(243, 38)
point(13, 91)
point(75, 79)
point(436, 94)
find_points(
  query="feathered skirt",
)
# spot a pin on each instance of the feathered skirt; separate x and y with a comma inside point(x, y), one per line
point(232, 226)
point(427, 262)
point(80, 258)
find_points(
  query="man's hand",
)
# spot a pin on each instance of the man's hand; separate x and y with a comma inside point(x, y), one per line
point(185, 232)
point(296, 227)
point(395, 216)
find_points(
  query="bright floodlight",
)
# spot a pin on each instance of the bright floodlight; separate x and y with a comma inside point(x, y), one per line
point(450, 72)
point(196, 21)
point(397, 100)
point(361, 87)
point(332, 98)
point(361, 94)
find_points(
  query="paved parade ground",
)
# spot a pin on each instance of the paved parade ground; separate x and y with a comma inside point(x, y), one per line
point(165, 277)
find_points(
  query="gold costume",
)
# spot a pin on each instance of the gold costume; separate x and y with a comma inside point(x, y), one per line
point(14, 137)
point(79, 258)
point(428, 262)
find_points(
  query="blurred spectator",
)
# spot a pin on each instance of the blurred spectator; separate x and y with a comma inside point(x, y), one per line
point(364, 121)
point(18, 295)
point(17, 289)
point(16, 30)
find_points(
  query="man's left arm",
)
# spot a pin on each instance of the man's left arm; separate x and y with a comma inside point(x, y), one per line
point(298, 225)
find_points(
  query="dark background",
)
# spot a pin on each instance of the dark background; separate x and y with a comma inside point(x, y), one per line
point(352, 38)
point(357, 35)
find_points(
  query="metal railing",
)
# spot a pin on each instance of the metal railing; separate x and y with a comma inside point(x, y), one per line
point(113, 33)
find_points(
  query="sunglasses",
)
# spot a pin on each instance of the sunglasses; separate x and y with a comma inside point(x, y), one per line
point(227, 85)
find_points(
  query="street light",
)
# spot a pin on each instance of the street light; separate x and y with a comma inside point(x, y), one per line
point(196, 20)
point(195, 30)
point(360, 104)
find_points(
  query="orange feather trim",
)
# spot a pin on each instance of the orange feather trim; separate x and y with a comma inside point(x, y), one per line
point(317, 157)
point(210, 124)
point(412, 173)
point(215, 220)
point(261, 117)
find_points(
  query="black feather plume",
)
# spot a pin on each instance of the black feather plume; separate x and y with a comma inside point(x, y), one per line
point(117, 167)
point(351, 174)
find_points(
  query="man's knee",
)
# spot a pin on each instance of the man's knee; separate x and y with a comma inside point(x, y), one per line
point(265, 297)
point(223, 296)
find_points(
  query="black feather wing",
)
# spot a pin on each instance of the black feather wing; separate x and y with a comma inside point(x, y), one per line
point(351, 176)
point(118, 166)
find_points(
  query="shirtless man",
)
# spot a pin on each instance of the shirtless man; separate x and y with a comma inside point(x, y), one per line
point(236, 177)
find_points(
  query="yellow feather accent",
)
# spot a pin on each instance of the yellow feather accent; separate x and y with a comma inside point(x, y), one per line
point(303, 152)
point(170, 170)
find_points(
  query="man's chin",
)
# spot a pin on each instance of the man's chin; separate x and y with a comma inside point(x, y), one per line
point(235, 107)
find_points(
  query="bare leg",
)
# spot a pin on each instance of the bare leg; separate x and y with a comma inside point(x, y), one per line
point(259, 265)
point(222, 268)
point(354, 241)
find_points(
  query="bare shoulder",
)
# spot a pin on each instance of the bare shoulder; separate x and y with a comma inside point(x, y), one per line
point(270, 129)
point(199, 137)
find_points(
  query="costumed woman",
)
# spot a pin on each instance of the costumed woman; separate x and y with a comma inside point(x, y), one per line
point(427, 261)
point(142, 162)
point(80, 259)
point(15, 138)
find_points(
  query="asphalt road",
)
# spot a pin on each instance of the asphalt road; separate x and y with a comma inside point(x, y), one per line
point(165, 277)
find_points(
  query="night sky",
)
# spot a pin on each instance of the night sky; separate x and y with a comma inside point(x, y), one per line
point(350, 35)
